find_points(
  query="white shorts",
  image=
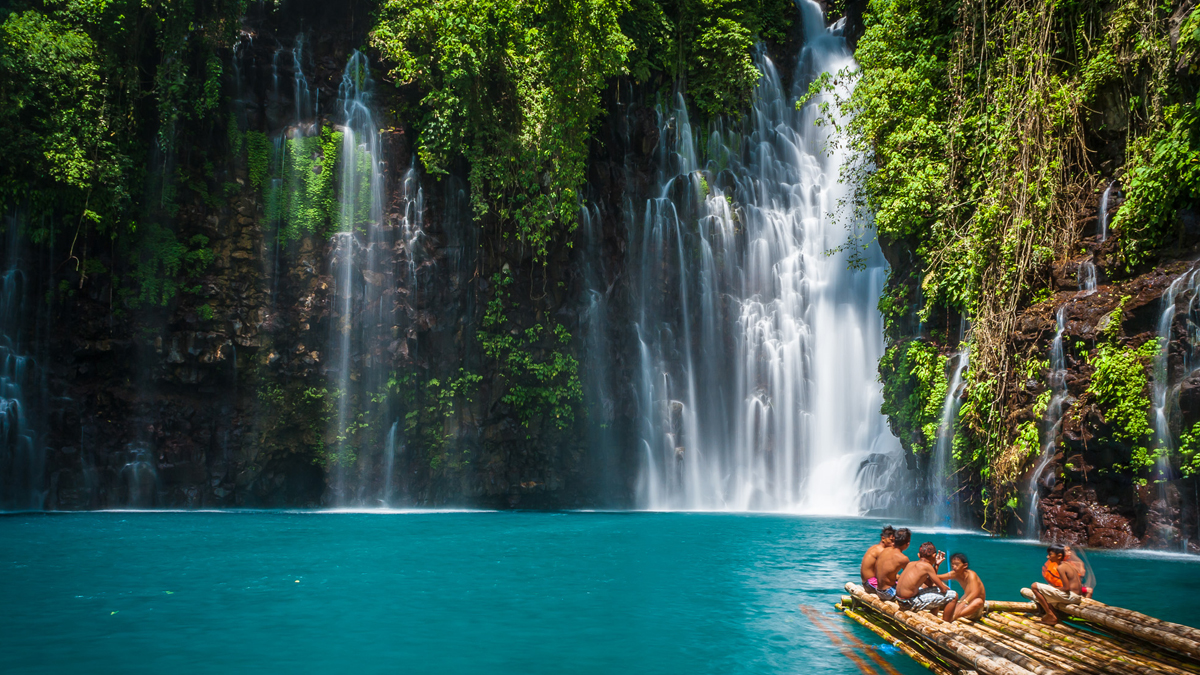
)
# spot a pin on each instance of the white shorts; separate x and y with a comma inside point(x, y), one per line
point(1056, 596)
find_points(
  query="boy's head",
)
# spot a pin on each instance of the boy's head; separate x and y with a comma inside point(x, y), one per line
point(888, 536)
point(903, 536)
point(1055, 552)
point(958, 562)
point(927, 551)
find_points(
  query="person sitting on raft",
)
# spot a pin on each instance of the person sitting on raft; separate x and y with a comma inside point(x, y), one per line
point(1069, 557)
point(1063, 588)
point(888, 564)
point(920, 587)
point(867, 569)
point(974, 595)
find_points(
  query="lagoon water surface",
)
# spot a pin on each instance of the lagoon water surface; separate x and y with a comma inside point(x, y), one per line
point(473, 592)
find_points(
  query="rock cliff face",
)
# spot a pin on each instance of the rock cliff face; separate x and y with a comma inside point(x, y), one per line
point(1083, 470)
point(222, 397)
point(226, 394)
point(1083, 498)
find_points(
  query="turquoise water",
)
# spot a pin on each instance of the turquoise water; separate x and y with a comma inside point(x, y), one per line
point(509, 592)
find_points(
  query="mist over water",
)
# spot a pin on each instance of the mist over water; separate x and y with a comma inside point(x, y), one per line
point(758, 345)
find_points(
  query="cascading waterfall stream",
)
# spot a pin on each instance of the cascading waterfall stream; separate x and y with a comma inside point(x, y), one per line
point(942, 481)
point(21, 390)
point(1051, 421)
point(363, 293)
point(1085, 277)
point(1163, 395)
point(757, 386)
point(1103, 215)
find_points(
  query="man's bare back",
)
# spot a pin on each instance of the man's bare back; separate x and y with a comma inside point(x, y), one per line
point(918, 575)
point(867, 569)
point(888, 567)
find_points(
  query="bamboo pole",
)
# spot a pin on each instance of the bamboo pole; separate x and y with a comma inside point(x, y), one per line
point(1071, 659)
point(960, 632)
point(980, 658)
point(1042, 652)
point(1162, 638)
point(1009, 606)
point(1152, 653)
point(1063, 659)
point(1144, 619)
point(1106, 648)
point(1045, 642)
point(1092, 612)
point(897, 643)
point(1005, 641)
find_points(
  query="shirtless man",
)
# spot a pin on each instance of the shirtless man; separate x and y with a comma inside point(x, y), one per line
point(867, 569)
point(970, 605)
point(1064, 587)
point(888, 565)
point(920, 587)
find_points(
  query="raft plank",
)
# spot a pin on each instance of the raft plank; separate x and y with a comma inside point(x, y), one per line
point(1009, 640)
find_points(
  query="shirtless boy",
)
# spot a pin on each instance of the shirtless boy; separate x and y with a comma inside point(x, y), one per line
point(888, 565)
point(1064, 587)
point(1069, 557)
point(970, 605)
point(867, 569)
point(919, 587)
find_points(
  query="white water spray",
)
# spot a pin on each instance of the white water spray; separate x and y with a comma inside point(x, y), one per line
point(942, 481)
point(757, 386)
point(1051, 422)
point(1085, 277)
point(1104, 211)
point(364, 311)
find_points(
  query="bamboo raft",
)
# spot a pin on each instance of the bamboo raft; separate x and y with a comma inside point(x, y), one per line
point(1092, 638)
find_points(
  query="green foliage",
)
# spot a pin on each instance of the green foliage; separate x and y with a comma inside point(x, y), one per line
point(705, 45)
point(1163, 176)
point(900, 112)
point(205, 312)
point(1028, 439)
point(513, 86)
point(258, 157)
point(969, 119)
point(541, 377)
point(58, 147)
point(85, 83)
point(157, 262)
point(914, 391)
point(299, 189)
point(1189, 451)
point(1121, 388)
point(721, 67)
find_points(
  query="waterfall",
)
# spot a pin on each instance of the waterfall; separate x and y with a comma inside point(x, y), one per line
point(942, 497)
point(1103, 215)
point(1051, 421)
point(389, 453)
point(1163, 395)
point(757, 346)
point(22, 391)
point(1085, 277)
point(363, 298)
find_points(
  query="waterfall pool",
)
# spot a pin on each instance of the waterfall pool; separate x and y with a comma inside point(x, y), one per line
point(474, 592)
